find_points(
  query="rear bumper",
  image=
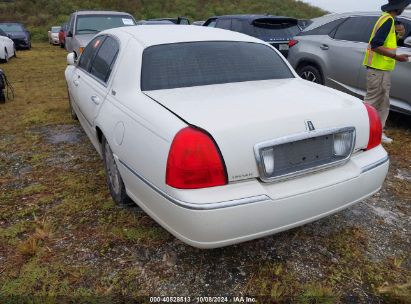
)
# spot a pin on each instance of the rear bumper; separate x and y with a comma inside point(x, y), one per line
point(274, 207)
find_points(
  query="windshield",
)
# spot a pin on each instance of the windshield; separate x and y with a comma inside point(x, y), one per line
point(11, 27)
point(191, 64)
point(55, 29)
point(90, 24)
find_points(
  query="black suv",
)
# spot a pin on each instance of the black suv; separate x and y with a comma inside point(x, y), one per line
point(18, 33)
point(275, 30)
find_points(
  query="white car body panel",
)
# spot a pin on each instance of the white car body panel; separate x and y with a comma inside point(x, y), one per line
point(6, 44)
point(140, 127)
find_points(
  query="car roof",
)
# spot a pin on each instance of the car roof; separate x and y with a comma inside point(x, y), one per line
point(167, 34)
point(331, 17)
point(91, 12)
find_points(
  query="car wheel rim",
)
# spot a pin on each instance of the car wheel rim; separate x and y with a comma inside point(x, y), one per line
point(112, 170)
point(310, 76)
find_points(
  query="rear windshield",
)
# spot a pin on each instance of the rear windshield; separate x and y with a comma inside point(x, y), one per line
point(55, 29)
point(11, 27)
point(274, 29)
point(89, 24)
point(191, 64)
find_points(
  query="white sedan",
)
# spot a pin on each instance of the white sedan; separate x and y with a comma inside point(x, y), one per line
point(214, 135)
point(7, 49)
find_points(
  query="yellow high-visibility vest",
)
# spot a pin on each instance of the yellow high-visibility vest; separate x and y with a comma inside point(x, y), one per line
point(378, 61)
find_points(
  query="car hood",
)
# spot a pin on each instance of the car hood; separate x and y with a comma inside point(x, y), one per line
point(241, 115)
point(83, 40)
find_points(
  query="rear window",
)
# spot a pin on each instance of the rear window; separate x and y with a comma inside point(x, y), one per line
point(191, 64)
point(274, 28)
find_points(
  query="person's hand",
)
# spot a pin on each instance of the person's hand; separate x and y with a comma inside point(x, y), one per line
point(402, 57)
point(400, 29)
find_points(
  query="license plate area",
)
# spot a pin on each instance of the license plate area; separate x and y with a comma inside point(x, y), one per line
point(299, 154)
point(284, 47)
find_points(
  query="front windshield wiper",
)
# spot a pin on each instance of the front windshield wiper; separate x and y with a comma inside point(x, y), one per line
point(87, 30)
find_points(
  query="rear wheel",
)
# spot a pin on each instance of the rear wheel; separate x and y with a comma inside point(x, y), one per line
point(114, 181)
point(310, 73)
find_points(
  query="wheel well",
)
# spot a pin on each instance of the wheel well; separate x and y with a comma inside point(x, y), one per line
point(310, 62)
point(99, 135)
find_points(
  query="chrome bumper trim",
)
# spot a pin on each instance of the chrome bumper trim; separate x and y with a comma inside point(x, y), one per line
point(206, 206)
point(375, 165)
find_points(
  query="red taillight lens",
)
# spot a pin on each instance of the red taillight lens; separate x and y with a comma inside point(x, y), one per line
point(375, 127)
point(292, 42)
point(194, 161)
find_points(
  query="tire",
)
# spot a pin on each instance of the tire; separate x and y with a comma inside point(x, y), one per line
point(310, 73)
point(72, 112)
point(62, 45)
point(114, 181)
point(15, 54)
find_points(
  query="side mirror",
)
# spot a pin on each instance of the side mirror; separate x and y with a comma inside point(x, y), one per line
point(71, 59)
point(69, 34)
point(407, 41)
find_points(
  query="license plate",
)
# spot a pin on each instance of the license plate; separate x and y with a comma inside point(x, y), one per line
point(284, 47)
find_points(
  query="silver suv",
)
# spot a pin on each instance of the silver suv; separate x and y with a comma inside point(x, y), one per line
point(331, 50)
point(84, 25)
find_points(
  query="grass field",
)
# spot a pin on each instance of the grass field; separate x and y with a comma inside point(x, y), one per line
point(62, 238)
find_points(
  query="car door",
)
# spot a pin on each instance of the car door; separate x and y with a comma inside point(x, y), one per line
point(346, 50)
point(93, 84)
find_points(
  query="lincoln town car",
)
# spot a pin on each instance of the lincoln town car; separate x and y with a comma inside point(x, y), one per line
point(215, 136)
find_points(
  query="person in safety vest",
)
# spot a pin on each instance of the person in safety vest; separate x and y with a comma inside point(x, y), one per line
point(381, 56)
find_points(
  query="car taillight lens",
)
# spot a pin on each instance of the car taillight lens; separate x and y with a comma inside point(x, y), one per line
point(292, 42)
point(375, 127)
point(194, 161)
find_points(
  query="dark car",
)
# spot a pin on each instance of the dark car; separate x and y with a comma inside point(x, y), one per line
point(18, 33)
point(275, 30)
point(178, 20)
point(62, 35)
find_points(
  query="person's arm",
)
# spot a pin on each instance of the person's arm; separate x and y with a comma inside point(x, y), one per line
point(377, 43)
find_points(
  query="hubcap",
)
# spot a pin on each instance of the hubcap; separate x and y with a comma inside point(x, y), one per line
point(112, 170)
point(310, 76)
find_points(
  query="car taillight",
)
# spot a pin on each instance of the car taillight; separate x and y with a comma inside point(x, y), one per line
point(375, 127)
point(194, 161)
point(292, 42)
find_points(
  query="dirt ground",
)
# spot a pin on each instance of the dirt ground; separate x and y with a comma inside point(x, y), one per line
point(62, 238)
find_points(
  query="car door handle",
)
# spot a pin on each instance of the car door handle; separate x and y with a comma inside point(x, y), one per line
point(95, 100)
point(324, 47)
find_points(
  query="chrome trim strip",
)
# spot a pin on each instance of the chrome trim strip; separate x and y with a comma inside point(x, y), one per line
point(375, 165)
point(192, 206)
point(297, 137)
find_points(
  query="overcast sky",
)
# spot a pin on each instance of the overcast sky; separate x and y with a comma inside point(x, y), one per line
point(348, 5)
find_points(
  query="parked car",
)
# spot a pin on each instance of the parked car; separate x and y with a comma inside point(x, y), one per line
point(18, 33)
point(199, 23)
point(84, 25)
point(62, 35)
point(277, 31)
point(215, 136)
point(7, 49)
point(331, 50)
point(53, 35)
point(154, 22)
point(178, 20)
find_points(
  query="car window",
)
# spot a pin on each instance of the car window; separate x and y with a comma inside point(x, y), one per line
point(239, 25)
point(407, 25)
point(224, 24)
point(89, 52)
point(105, 58)
point(325, 29)
point(71, 24)
point(11, 27)
point(2, 33)
point(191, 64)
point(356, 29)
point(211, 23)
